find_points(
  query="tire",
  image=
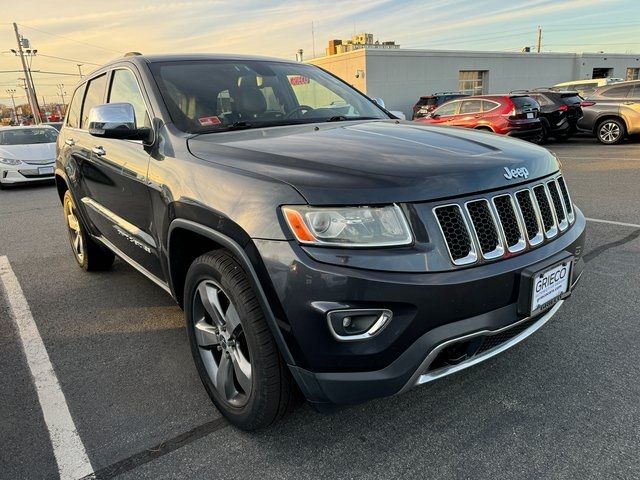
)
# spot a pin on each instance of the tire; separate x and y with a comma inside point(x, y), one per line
point(542, 137)
point(235, 354)
point(90, 255)
point(610, 131)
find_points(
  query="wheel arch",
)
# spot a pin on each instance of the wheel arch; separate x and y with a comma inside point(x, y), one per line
point(200, 239)
point(609, 116)
point(61, 186)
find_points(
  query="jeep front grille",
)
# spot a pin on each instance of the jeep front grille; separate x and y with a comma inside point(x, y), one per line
point(506, 223)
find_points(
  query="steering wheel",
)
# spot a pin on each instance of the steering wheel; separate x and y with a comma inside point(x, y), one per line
point(298, 109)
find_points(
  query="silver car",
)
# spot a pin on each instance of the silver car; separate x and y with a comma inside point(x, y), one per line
point(612, 112)
point(27, 154)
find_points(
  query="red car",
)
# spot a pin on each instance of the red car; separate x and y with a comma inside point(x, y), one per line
point(514, 115)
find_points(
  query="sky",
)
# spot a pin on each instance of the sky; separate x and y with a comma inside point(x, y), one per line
point(92, 32)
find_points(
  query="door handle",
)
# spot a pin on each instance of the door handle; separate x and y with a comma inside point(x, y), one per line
point(98, 151)
point(70, 141)
point(628, 103)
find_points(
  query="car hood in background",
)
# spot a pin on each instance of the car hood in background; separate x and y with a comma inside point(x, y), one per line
point(29, 153)
point(376, 162)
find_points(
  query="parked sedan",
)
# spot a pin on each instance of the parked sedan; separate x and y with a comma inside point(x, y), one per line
point(27, 154)
point(612, 112)
point(559, 112)
point(513, 115)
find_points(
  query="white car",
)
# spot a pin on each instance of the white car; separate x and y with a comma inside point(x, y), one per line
point(27, 154)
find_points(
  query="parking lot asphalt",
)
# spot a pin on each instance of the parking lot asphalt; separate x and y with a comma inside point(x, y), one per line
point(563, 404)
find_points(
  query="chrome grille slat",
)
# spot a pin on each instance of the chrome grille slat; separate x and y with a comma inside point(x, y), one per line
point(455, 230)
point(493, 227)
point(530, 217)
point(485, 230)
point(558, 205)
point(546, 212)
point(566, 198)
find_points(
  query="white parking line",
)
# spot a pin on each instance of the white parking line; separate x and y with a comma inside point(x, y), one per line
point(622, 224)
point(68, 449)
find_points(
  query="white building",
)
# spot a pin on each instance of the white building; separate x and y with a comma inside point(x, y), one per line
point(400, 76)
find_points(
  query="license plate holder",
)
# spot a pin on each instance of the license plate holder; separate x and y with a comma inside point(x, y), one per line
point(530, 115)
point(45, 170)
point(538, 294)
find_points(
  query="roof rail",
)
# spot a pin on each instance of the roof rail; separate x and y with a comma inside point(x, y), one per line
point(449, 93)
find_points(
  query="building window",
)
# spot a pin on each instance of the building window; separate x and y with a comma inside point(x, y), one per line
point(633, 74)
point(602, 72)
point(472, 81)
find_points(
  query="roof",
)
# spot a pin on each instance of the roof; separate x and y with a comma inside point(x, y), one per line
point(198, 56)
point(23, 127)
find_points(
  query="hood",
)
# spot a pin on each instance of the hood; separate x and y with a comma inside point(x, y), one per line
point(29, 153)
point(377, 162)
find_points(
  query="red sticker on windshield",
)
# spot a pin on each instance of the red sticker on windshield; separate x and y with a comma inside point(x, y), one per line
point(209, 121)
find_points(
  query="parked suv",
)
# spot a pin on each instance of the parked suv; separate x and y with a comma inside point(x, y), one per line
point(612, 112)
point(559, 112)
point(346, 254)
point(513, 115)
point(429, 103)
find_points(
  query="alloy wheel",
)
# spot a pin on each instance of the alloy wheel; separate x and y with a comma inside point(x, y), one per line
point(221, 343)
point(75, 235)
point(609, 132)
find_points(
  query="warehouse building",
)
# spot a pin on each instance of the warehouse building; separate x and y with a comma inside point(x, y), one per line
point(399, 76)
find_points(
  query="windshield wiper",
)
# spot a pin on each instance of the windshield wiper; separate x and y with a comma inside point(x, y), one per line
point(343, 118)
point(240, 125)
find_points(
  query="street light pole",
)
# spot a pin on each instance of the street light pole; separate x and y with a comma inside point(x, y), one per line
point(80, 69)
point(31, 93)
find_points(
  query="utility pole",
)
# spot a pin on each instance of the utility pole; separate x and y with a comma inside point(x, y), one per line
point(12, 92)
point(80, 69)
point(31, 93)
point(313, 41)
point(61, 88)
point(539, 39)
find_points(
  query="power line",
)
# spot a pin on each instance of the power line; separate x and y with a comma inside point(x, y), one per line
point(68, 59)
point(70, 39)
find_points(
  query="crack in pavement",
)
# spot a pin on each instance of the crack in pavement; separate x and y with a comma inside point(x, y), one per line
point(146, 456)
point(596, 252)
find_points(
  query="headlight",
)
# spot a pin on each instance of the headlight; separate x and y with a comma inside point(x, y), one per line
point(349, 226)
point(10, 161)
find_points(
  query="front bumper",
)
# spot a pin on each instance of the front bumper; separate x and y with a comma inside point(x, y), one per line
point(429, 310)
point(24, 174)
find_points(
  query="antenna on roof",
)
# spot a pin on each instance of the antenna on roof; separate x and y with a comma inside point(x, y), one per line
point(132, 54)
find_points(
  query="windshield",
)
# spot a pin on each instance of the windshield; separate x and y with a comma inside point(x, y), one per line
point(28, 136)
point(219, 95)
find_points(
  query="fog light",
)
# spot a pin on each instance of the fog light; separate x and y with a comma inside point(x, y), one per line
point(357, 324)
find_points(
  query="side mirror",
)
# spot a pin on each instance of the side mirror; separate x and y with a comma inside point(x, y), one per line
point(116, 120)
point(434, 115)
point(379, 101)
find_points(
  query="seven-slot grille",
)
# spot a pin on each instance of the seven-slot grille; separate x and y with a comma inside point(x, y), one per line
point(506, 223)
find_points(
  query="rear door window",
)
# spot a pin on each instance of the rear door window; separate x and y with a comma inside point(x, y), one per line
point(73, 111)
point(471, 106)
point(93, 97)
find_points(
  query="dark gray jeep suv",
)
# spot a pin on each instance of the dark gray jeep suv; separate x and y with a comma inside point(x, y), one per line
point(315, 242)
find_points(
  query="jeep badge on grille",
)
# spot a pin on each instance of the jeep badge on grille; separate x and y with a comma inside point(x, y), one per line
point(512, 173)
